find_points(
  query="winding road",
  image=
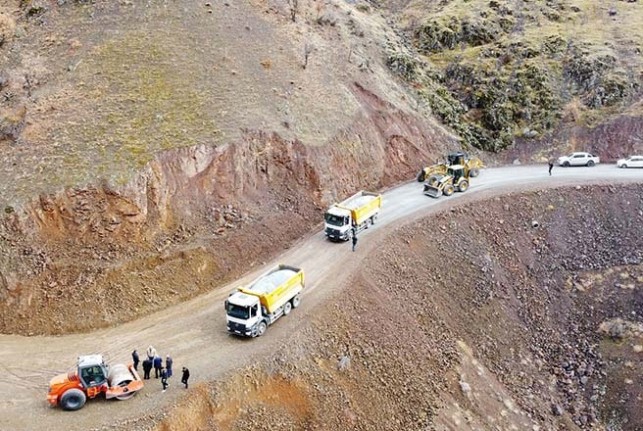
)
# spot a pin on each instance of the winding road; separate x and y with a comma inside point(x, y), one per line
point(193, 332)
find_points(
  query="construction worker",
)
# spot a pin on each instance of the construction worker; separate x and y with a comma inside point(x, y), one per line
point(135, 359)
point(147, 367)
point(158, 364)
point(354, 238)
point(164, 379)
point(185, 377)
point(551, 164)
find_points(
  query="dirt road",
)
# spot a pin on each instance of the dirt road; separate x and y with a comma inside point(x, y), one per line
point(194, 333)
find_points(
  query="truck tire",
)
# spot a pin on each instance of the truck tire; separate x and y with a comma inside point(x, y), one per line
point(287, 308)
point(448, 190)
point(463, 186)
point(73, 399)
point(296, 301)
point(261, 328)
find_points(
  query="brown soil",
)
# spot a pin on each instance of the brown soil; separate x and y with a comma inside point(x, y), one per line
point(457, 323)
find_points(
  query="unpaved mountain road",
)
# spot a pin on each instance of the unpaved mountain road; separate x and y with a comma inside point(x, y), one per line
point(194, 332)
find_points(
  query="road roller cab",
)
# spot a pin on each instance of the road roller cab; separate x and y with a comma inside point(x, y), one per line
point(91, 378)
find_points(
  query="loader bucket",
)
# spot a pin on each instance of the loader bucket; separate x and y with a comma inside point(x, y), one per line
point(124, 382)
point(432, 191)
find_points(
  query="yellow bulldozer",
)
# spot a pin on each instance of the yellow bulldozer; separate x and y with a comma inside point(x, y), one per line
point(472, 163)
point(456, 179)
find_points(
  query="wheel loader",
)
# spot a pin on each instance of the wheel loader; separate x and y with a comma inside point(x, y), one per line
point(91, 378)
point(455, 179)
point(473, 164)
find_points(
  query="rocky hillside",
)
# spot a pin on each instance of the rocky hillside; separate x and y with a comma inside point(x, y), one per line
point(150, 134)
point(503, 72)
point(520, 324)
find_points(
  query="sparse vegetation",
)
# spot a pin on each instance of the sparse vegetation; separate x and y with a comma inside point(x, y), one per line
point(506, 68)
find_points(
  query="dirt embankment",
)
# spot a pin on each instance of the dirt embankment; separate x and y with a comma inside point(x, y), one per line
point(192, 219)
point(530, 322)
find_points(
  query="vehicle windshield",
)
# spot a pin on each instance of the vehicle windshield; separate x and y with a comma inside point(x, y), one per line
point(237, 311)
point(335, 220)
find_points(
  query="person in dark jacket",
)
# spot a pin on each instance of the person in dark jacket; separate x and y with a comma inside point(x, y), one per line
point(185, 377)
point(158, 364)
point(135, 359)
point(164, 379)
point(168, 366)
point(354, 239)
point(550, 162)
point(147, 367)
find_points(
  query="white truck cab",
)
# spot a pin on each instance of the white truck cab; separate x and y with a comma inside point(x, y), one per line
point(338, 223)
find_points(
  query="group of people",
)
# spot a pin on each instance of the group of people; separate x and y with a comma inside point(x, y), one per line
point(155, 361)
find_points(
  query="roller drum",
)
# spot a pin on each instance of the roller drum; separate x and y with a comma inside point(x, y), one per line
point(120, 375)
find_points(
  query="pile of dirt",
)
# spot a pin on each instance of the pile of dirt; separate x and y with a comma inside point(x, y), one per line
point(532, 321)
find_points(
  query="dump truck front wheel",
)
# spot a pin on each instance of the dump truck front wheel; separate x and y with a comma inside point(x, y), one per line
point(261, 328)
point(287, 308)
point(73, 399)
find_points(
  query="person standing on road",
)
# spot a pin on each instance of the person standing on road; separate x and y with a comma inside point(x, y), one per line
point(185, 377)
point(551, 164)
point(158, 364)
point(135, 359)
point(354, 237)
point(168, 366)
point(164, 379)
point(151, 352)
point(147, 367)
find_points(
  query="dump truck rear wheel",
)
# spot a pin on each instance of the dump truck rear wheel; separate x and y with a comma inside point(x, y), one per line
point(287, 308)
point(448, 190)
point(295, 301)
point(261, 328)
point(73, 399)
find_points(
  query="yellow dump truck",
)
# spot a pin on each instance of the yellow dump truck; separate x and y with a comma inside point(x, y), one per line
point(357, 212)
point(250, 310)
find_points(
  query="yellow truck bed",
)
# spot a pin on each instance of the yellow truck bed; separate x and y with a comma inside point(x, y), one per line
point(362, 205)
point(277, 286)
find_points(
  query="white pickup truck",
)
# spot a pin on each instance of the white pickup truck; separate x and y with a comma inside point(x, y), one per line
point(579, 159)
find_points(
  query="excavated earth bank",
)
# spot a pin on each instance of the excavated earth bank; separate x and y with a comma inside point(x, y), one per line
point(187, 221)
point(523, 312)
